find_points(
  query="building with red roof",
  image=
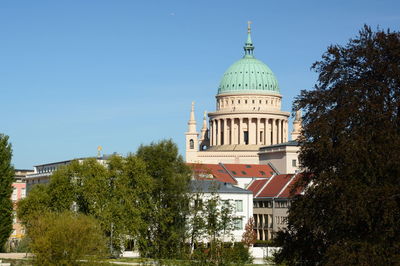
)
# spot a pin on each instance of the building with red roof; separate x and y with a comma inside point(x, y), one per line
point(272, 198)
point(240, 175)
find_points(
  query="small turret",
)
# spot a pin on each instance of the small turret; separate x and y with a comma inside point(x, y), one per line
point(192, 142)
point(297, 125)
point(204, 139)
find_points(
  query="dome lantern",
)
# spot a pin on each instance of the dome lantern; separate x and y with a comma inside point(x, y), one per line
point(248, 75)
point(248, 48)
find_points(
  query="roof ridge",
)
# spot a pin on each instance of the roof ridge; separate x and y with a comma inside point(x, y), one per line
point(273, 168)
point(229, 173)
point(285, 186)
point(266, 183)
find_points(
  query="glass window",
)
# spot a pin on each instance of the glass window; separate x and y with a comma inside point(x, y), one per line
point(14, 194)
point(238, 223)
point(239, 205)
point(294, 163)
point(23, 192)
point(191, 144)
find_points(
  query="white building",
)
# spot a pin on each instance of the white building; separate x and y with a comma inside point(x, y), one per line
point(239, 199)
point(42, 173)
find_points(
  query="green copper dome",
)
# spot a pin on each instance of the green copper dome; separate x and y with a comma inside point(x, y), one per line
point(248, 75)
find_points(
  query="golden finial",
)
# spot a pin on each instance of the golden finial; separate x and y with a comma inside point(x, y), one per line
point(99, 149)
point(249, 26)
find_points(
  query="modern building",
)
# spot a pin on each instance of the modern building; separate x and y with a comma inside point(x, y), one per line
point(42, 173)
point(248, 117)
point(271, 203)
point(239, 199)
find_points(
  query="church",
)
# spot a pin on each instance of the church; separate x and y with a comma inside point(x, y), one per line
point(248, 125)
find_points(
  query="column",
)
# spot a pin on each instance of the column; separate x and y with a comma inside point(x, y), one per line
point(266, 131)
point(225, 130)
point(258, 133)
point(278, 131)
point(240, 131)
point(273, 129)
point(232, 137)
point(217, 132)
point(211, 133)
point(214, 133)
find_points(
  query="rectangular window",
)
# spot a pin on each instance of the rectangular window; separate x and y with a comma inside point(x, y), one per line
point(238, 224)
point(23, 192)
point(294, 163)
point(14, 194)
point(239, 205)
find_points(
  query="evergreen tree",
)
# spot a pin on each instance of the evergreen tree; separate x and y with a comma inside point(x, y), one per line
point(6, 180)
point(350, 148)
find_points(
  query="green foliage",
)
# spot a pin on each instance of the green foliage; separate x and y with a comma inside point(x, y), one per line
point(166, 233)
point(221, 253)
point(350, 213)
point(117, 195)
point(65, 238)
point(6, 180)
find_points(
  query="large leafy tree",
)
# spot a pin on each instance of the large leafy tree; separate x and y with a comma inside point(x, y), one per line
point(350, 148)
point(116, 194)
point(6, 180)
point(166, 233)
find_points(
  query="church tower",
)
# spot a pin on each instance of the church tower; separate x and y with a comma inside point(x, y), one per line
point(192, 143)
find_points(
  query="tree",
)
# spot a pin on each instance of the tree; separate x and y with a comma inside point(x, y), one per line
point(166, 233)
point(116, 194)
point(6, 180)
point(65, 238)
point(249, 236)
point(350, 212)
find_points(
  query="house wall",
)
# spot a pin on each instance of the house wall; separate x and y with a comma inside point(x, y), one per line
point(244, 214)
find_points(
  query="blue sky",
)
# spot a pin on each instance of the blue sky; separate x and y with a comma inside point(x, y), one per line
point(78, 74)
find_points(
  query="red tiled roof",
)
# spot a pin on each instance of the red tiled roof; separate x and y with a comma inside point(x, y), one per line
point(286, 193)
point(256, 185)
point(250, 170)
point(274, 186)
point(217, 171)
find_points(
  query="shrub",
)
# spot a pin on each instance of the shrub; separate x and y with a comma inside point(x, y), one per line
point(65, 238)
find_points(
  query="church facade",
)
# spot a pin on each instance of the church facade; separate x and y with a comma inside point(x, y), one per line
point(248, 116)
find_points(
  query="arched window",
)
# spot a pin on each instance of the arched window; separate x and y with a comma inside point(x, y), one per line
point(191, 144)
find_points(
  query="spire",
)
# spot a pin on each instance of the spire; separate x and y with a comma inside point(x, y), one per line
point(192, 121)
point(204, 129)
point(204, 121)
point(248, 48)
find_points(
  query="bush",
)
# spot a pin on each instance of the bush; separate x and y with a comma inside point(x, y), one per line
point(221, 254)
point(65, 238)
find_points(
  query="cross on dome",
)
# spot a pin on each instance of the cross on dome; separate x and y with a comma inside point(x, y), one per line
point(248, 48)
